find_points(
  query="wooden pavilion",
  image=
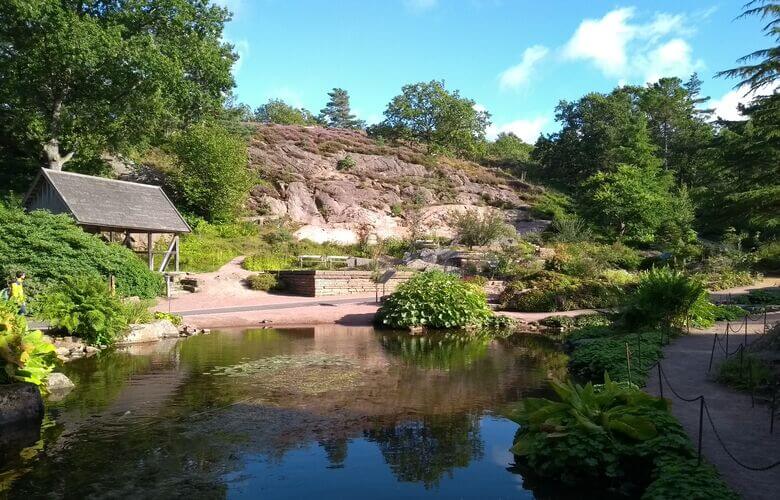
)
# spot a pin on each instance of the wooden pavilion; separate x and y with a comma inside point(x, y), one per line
point(118, 209)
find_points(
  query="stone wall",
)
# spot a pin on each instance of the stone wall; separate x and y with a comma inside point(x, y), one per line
point(312, 283)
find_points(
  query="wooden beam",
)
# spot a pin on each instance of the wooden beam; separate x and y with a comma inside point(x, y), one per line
point(149, 251)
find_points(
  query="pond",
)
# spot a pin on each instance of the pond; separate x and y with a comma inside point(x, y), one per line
point(328, 411)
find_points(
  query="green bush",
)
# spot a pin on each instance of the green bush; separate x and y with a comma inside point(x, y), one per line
point(173, 318)
point(268, 262)
point(614, 440)
point(768, 257)
point(24, 355)
point(346, 163)
point(48, 247)
point(262, 282)
point(759, 297)
point(137, 312)
point(570, 230)
point(553, 205)
point(548, 291)
point(437, 300)
point(589, 259)
point(475, 229)
point(84, 307)
point(604, 351)
point(665, 297)
point(745, 372)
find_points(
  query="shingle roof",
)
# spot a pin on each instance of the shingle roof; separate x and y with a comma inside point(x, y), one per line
point(109, 203)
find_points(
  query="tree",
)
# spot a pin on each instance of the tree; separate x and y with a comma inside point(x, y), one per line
point(428, 113)
point(80, 78)
point(337, 113)
point(767, 68)
point(475, 229)
point(598, 133)
point(278, 111)
point(509, 149)
point(212, 179)
point(635, 203)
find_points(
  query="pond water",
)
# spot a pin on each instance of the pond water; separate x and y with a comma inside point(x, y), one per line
point(329, 412)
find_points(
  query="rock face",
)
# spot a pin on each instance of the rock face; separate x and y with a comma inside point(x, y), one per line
point(20, 402)
point(150, 332)
point(385, 191)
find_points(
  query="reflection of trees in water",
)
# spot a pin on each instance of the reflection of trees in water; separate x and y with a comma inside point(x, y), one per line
point(440, 351)
point(336, 451)
point(423, 451)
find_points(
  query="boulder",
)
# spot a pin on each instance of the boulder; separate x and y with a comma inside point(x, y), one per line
point(150, 332)
point(20, 402)
point(59, 382)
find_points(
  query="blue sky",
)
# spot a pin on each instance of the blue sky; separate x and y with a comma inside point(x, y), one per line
point(515, 58)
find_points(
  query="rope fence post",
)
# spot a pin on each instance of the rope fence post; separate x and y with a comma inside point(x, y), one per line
point(712, 353)
point(660, 380)
point(628, 362)
point(772, 412)
point(701, 428)
point(746, 330)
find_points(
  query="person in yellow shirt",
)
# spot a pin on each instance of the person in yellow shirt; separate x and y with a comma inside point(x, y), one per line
point(17, 292)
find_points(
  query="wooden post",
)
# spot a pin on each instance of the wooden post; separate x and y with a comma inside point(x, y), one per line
point(149, 251)
point(176, 237)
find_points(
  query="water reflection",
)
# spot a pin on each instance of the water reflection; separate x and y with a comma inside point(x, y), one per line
point(168, 420)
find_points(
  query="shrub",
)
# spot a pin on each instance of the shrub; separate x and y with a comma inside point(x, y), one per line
point(437, 300)
point(473, 229)
point(665, 297)
point(553, 205)
point(548, 291)
point(346, 163)
point(570, 230)
point(48, 247)
point(136, 312)
point(768, 257)
point(24, 355)
point(84, 307)
point(614, 438)
point(212, 179)
point(268, 262)
point(262, 282)
point(604, 351)
point(591, 259)
point(173, 318)
point(745, 372)
point(477, 280)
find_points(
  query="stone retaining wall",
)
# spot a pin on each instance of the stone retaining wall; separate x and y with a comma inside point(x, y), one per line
point(315, 283)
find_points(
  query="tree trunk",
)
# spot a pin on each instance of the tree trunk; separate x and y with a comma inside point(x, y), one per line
point(55, 160)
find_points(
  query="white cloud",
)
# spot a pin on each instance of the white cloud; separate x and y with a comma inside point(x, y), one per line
point(420, 5)
point(520, 74)
point(726, 106)
point(630, 51)
point(603, 41)
point(527, 130)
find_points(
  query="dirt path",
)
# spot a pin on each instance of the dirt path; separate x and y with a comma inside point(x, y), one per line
point(727, 294)
point(743, 429)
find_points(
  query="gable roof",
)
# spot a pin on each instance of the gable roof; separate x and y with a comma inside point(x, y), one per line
point(109, 203)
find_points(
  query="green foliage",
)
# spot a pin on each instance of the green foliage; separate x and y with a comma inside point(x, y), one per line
point(86, 78)
point(83, 306)
point(268, 262)
point(475, 229)
point(346, 163)
point(427, 112)
point(508, 150)
point(553, 205)
point(602, 350)
point(759, 297)
point(173, 318)
point(212, 179)
point(262, 282)
point(768, 257)
point(548, 291)
point(137, 312)
point(745, 372)
point(613, 439)
point(279, 112)
point(48, 247)
point(436, 300)
point(24, 355)
point(665, 297)
point(570, 230)
point(639, 204)
point(592, 259)
point(337, 112)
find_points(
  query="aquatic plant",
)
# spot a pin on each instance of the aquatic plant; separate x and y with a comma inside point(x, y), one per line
point(24, 355)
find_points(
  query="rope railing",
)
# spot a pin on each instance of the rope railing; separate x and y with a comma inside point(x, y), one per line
point(704, 409)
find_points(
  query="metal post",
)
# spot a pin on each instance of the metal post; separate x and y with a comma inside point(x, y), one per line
point(746, 330)
point(701, 427)
point(660, 380)
point(176, 262)
point(712, 353)
point(750, 383)
point(728, 327)
point(149, 251)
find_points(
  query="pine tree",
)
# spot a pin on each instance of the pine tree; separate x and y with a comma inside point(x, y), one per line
point(337, 114)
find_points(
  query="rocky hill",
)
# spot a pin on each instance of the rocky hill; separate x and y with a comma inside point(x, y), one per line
point(339, 183)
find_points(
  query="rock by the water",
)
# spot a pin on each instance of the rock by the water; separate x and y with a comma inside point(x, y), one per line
point(20, 402)
point(59, 382)
point(150, 332)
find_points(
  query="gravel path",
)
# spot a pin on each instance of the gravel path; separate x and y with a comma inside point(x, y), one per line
point(743, 429)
